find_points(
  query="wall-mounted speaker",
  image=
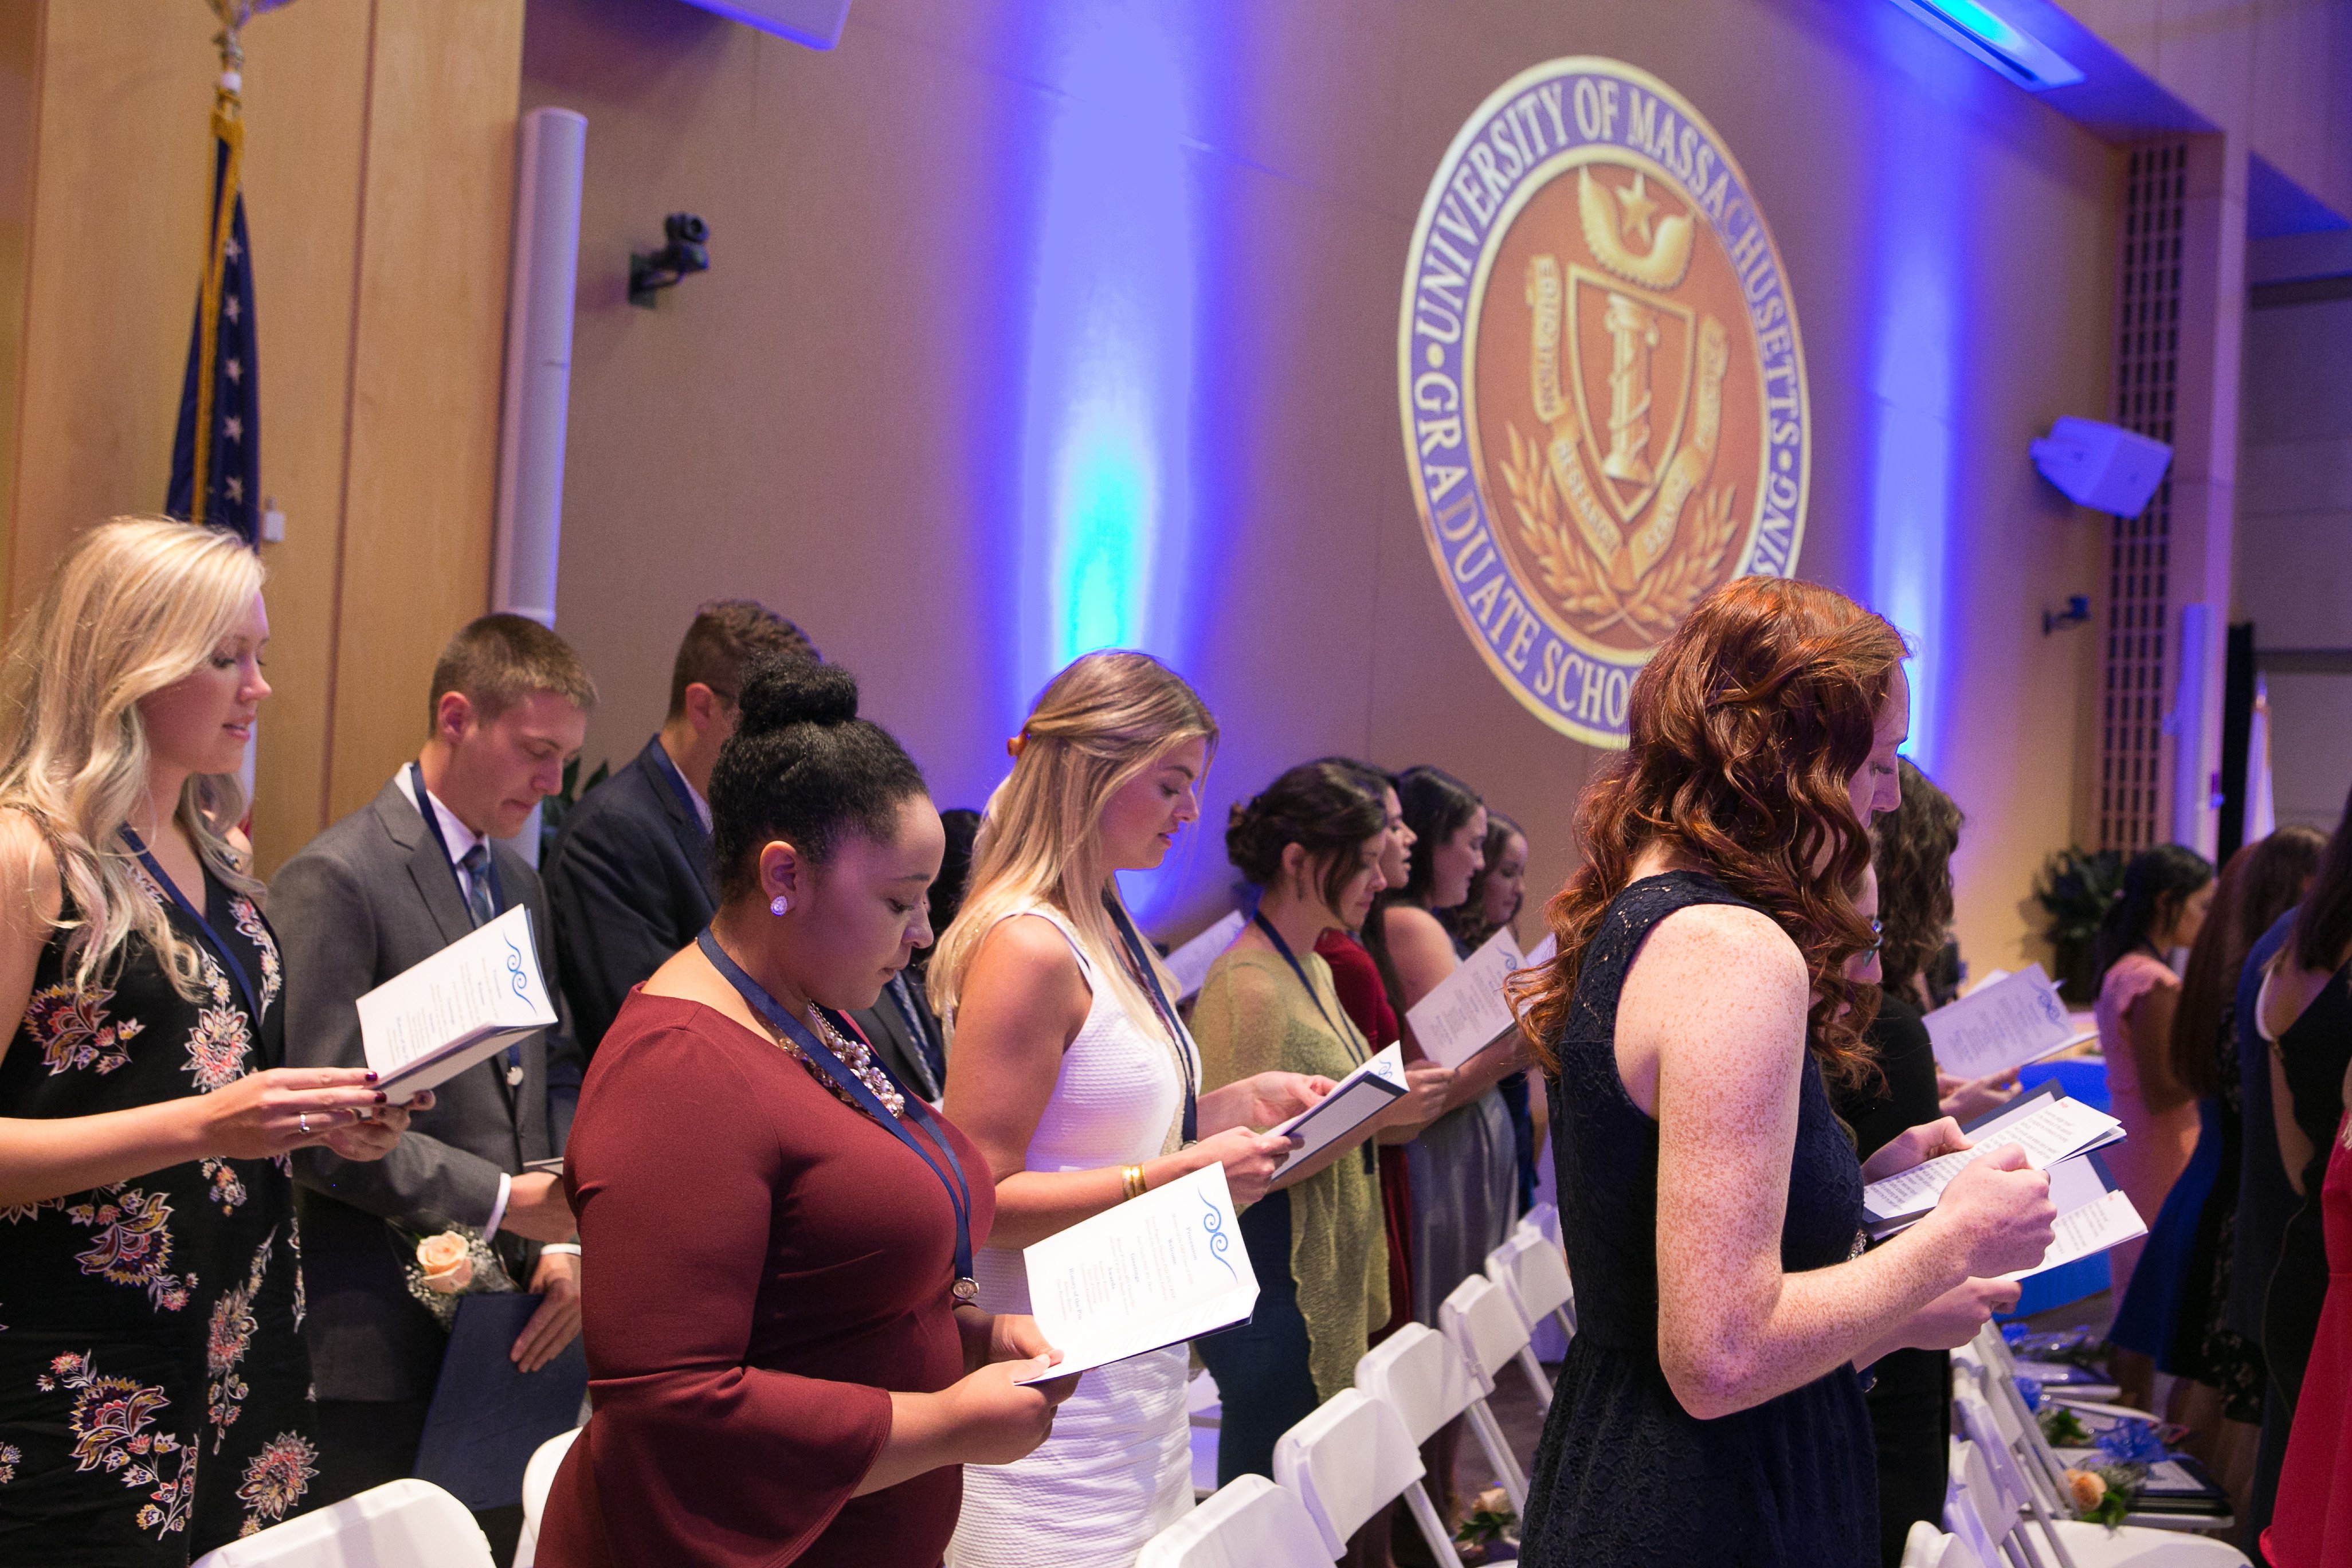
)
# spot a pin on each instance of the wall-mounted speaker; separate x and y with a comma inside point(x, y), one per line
point(816, 23)
point(2104, 467)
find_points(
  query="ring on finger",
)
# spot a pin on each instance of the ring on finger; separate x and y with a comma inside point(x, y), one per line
point(303, 1122)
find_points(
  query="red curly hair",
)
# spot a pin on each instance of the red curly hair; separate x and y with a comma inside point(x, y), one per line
point(1745, 730)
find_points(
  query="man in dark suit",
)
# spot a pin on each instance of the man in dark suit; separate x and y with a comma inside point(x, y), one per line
point(387, 886)
point(904, 1033)
point(630, 878)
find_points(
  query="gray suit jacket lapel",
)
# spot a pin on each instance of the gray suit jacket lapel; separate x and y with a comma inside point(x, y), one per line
point(435, 879)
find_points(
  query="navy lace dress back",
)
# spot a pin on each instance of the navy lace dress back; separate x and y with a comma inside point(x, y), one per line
point(1624, 1474)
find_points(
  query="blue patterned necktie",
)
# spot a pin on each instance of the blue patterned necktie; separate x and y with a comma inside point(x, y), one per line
point(477, 864)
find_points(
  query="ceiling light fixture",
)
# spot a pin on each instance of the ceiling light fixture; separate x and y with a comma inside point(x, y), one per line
point(1998, 42)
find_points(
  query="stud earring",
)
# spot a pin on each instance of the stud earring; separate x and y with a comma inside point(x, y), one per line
point(779, 904)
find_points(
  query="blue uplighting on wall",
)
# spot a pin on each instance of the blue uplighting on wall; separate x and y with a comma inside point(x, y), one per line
point(1107, 385)
point(1102, 551)
point(1915, 370)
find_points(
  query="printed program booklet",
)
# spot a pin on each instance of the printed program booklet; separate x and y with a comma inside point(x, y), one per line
point(2094, 1214)
point(2002, 1024)
point(2049, 1125)
point(1152, 1272)
point(1353, 1100)
point(1467, 1011)
point(471, 1000)
point(1190, 963)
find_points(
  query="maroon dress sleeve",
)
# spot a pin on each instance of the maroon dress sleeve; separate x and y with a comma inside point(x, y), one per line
point(696, 1454)
point(1357, 979)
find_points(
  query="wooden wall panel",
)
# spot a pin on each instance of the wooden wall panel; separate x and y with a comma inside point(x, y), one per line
point(377, 178)
point(304, 79)
point(116, 243)
point(436, 220)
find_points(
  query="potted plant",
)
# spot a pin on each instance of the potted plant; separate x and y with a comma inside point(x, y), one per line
point(2075, 889)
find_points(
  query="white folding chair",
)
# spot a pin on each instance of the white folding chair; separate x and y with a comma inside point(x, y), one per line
point(1544, 1220)
point(401, 1524)
point(1927, 1547)
point(1960, 1515)
point(1249, 1522)
point(2019, 1432)
point(1534, 1270)
point(2041, 1468)
point(1347, 1461)
point(538, 1479)
point(1479, 1321)
point(2073, 1543)
point(1974, 1510)
point(1999, 1507)
point(1417, 1373)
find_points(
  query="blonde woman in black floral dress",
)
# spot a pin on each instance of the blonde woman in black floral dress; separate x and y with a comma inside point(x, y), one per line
point(154, 1395)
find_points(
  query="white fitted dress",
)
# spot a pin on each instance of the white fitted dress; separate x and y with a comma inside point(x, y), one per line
point(1117, 1470)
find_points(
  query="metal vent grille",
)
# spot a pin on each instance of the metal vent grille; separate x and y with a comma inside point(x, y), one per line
point(2133, 779)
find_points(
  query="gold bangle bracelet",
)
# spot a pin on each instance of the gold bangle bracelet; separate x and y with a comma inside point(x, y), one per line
point(1131, 1178)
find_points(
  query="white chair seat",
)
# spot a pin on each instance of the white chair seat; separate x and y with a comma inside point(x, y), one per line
point(1252, 1523)
point(538, 1479)
point(1347, 1461)
point(1415, 1373)
point(1487, 1330)
point(2091, 1546)
point(401, 1524)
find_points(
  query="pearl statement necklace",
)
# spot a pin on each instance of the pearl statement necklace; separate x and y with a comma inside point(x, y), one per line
point(858, 1058)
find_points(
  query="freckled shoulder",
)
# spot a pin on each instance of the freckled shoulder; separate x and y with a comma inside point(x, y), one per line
point(1716, 974)
point(1723, 940)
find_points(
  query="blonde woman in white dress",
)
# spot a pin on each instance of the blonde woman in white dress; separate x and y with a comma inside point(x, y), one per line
point(1069, 1067)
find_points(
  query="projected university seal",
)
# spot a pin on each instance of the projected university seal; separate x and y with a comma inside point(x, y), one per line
point(1601, 383)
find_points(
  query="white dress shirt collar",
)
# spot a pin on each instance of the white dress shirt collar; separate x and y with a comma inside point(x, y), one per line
point(459, 838)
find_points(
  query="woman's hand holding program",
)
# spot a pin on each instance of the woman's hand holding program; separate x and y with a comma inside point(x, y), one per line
point(1915, 1146)
point(1998, 1210)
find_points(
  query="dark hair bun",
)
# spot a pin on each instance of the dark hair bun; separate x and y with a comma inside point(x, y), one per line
point(783, 689)
point(1253, 841)
point(1327, 808)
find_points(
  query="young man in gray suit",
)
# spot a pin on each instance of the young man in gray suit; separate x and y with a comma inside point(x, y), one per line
point(383, 890)
point(630, 877)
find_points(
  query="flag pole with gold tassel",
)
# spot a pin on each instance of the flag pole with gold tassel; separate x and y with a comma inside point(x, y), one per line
point(215, 464)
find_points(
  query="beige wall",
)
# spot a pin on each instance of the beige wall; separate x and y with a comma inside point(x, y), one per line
point(2295, 580)
point(378, 187)
point(830, 419)
point(2271, 73)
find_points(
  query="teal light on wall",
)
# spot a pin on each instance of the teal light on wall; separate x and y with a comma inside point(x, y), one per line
point(1999, 40)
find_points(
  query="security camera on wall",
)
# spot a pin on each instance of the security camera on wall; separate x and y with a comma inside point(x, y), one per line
point(2104, 467)
point(816, 23)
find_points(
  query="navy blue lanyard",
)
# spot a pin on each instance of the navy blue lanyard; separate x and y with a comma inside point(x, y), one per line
point(1298, 969)
point(432, 826)
point(172, 890)
point(1140, 959)
point(1371, 1160)
point(424, 809)
point(817, 1055)
point(676, 779)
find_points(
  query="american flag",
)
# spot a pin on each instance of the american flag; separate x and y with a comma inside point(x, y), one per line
point(216, 450)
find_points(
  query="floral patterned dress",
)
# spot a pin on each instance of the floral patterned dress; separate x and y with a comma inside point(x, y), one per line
point(155, 1390)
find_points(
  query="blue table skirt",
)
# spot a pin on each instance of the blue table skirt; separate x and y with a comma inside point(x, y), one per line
point(2084, 1079)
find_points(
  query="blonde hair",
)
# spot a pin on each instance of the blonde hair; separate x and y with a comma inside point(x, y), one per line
point(136, 605)
point(1104, 721)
